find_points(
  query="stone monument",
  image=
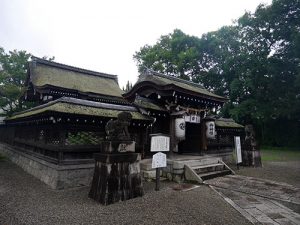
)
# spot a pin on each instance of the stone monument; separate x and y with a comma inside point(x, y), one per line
point(117, 168)
point(251, 153)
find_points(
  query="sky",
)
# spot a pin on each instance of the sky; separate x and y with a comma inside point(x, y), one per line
point(103, 35)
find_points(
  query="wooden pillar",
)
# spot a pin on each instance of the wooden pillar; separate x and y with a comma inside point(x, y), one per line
point(172, 137)
point(203, 136)
point(62, 137)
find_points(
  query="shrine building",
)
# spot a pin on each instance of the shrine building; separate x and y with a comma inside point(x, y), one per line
point(55, 140)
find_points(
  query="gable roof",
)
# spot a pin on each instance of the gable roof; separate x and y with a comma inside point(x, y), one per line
point(227, 123)
point(164, 82)
point(44, 74)
point(147, 104)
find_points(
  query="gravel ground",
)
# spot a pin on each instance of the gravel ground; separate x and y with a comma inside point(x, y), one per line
point(25, 200)
point(287, 172)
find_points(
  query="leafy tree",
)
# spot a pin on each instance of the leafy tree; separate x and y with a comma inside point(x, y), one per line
point(12, 78)
point(174, 54)
point(128, 86)
point(13, 72)
point(255, 63)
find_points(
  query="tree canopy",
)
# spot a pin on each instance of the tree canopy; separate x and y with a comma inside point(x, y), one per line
point(13, 69)
point(255, 63)
point(13, 72)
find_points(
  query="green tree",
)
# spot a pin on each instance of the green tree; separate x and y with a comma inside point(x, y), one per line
point(13, 69)
point(13, 73)
point(174, 54)
point(128, 86)
point(255, 63)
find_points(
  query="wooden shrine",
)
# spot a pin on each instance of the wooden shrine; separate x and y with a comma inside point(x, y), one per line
point(67, 126)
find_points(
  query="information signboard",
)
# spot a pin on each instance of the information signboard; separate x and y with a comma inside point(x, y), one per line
point(160, 143)
point(237, 144)
point(159, 160)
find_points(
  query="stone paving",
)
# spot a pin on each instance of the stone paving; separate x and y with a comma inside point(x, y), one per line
point(258, 199)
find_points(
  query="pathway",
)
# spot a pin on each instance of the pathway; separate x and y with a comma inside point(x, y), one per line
point(259, 200)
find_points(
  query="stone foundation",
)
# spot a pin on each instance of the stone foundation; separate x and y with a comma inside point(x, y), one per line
point(175, 167)
point(56, 176)
point(116, 178)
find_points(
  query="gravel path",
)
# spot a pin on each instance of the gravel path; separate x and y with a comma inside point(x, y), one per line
point(25, 200)
point(288, 172)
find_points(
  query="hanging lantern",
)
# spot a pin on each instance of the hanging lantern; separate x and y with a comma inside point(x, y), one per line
point(180, 128)
point(210, 130)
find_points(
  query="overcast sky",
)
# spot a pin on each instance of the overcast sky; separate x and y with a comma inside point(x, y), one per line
point(103, 35)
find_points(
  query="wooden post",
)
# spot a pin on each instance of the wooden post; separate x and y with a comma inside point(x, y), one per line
point(157, 183)
point(203, 136)
point(172, 137)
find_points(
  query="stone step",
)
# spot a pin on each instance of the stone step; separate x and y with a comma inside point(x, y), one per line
point(208, 168)
point(201, 162)
point(210, 175)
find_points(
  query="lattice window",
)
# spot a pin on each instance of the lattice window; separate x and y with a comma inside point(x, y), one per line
point(212, 141)
point(226, 139)
point(54, 137)
point(41, 135)
point(84, 137)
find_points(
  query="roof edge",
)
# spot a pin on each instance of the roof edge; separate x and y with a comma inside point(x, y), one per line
point(131, 93)
point(81, 102)
point(174, 78)
point(38, 60)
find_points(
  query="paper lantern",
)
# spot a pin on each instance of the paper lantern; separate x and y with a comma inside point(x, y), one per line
point(180, 128)
point(210, 130)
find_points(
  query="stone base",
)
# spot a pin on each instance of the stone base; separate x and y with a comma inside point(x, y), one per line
point(251, 158)
point(117, 146)
point(56, 176)
point(116, 178)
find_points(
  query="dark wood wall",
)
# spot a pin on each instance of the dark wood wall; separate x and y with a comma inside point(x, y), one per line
point(64, 143)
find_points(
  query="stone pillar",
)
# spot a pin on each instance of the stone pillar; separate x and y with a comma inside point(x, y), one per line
point(251, 152)
point(117, 174)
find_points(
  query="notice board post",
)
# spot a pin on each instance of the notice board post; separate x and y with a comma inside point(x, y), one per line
point(238, 151)
point(159, 143)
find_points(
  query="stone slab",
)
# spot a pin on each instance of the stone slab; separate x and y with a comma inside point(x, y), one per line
point(242, 193)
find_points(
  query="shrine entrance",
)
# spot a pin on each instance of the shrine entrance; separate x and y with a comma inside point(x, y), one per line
point(192, 142)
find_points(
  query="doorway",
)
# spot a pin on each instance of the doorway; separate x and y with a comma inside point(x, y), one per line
point(192, 142)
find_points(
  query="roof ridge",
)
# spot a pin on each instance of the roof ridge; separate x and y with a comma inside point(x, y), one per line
point(72, 68)
point(82, 102)
point(176, 79)
point(85, 102)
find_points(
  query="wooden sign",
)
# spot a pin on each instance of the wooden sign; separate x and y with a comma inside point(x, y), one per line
point(237, 144)
point(160, 143)
point(159, 160)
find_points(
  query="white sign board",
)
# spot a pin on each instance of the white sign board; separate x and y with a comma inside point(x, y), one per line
point(237, 144)
point(160, 144)
point(159, 160)
point(192, 118)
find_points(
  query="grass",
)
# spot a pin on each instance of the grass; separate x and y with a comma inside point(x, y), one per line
point(280, 154)
point(2, 158)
